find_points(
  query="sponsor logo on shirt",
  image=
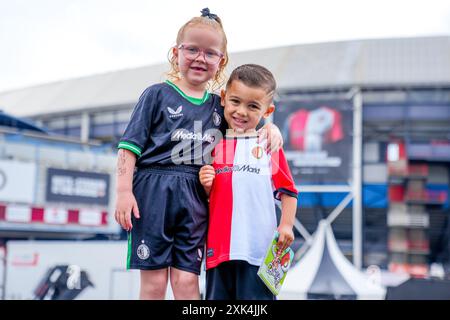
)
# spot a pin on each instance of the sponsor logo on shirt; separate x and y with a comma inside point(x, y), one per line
point(183, 134)
point(175, 113)
point(239, 168)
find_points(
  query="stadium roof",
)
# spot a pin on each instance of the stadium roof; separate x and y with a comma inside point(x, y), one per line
point(402, 62)
point(7, 120)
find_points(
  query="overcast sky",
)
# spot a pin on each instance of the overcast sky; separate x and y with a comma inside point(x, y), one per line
point(49, 40)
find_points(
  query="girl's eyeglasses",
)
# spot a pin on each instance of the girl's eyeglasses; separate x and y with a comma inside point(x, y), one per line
point(192, 52)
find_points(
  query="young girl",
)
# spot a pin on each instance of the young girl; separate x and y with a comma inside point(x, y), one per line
point(172, 130)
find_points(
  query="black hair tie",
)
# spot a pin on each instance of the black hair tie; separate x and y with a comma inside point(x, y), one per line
point(206, 13)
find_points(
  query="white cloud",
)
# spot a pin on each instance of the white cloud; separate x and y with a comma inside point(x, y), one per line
point(49, 40)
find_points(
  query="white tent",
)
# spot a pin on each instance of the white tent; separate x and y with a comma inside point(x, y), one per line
point(325, 273)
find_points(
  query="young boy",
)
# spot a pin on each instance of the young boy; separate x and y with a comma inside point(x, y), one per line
point(242, 183)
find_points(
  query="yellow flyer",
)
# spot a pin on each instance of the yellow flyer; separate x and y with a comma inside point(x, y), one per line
point(274, 268)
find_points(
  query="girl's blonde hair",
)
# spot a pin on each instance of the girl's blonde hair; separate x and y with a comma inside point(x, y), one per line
point(219, 78)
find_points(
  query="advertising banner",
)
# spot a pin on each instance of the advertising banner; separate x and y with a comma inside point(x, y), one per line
point(318, 138)
point(77, 186)
point(17, 181)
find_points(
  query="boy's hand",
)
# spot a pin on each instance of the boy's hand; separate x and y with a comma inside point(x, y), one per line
point(285, 238)
point(207, 175)
point(126, 203)
point(272, 134)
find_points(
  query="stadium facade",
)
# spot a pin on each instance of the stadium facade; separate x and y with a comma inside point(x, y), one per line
point(405, 89)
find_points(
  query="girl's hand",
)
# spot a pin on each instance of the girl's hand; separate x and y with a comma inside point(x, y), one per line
point(207, 175)
point(272, 134)
point(285, 238)
point(126, 203)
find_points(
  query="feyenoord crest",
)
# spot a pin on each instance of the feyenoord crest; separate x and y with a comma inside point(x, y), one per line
point(257, 152)
point(217, 119)
point(143, 251)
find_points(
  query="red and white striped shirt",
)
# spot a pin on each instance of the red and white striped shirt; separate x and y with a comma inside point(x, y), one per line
point(242, 217)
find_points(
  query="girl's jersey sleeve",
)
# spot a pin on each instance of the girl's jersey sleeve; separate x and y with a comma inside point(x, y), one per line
point(281, 176)
point(138, 129)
